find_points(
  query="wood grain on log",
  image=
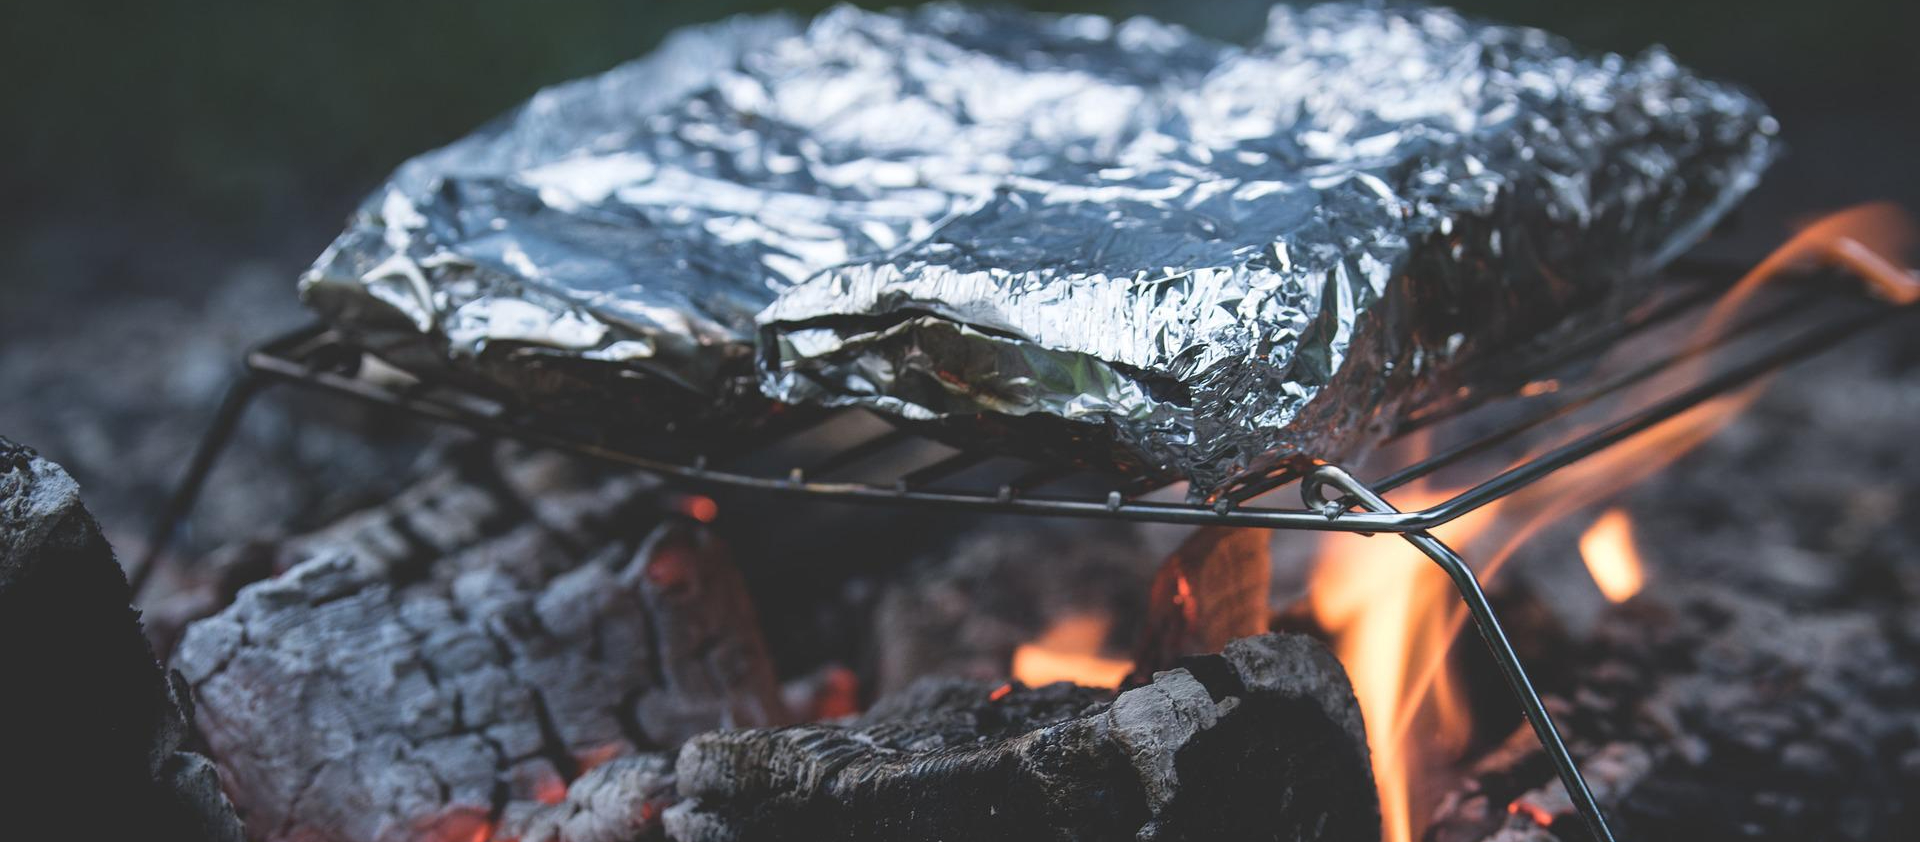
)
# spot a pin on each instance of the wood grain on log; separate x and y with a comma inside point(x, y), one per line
point(1262, 742)
point(373, 692)
point(90, 727)
point(478, 504)
point(1212, 590)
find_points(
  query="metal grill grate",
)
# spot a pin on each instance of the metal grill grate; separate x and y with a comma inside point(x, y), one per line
point(319, 357)
point(816, 456)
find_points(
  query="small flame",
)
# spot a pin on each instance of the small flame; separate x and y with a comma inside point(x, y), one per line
point(1384, 604)
point(1070, 651)
point(1183, 597)
point(1393, 616)
point(1607, 548)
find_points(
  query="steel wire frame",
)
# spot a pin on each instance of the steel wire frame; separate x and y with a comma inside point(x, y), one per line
point(1357, 508)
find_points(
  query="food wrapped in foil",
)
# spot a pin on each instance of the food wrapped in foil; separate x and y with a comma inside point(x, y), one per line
point(601, 250)
point(1168, 254)
point(1225, 260)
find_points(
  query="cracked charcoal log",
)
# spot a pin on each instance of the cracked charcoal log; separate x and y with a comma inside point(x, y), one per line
point(1211, 590)
point(1262, 742)
point(619, 801)
point(90, 727)
point(477, 504)
point(356, 697)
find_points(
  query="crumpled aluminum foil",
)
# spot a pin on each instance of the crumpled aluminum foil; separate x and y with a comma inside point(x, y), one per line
point(1163, 253)
point(1227, 260)
point(604, 247)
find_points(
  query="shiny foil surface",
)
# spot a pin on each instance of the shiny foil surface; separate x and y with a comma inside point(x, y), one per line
point(603, 248)
point(1163, 253)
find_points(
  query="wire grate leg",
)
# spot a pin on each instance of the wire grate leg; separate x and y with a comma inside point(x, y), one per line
point(1489, 626)
point(206, 454)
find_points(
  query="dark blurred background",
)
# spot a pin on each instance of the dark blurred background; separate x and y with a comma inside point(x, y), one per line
point(167, 169)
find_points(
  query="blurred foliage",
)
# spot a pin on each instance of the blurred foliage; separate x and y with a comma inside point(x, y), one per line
point(234, 112)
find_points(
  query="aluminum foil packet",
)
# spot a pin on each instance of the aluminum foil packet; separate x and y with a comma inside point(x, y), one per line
point(600, 250)
point(1163, 253)
point(1211, 261)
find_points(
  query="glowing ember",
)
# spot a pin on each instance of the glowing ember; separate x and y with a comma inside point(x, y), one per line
point(699, 508)
point(1070, 651)
point(1538, 814)
point(597, 755)
point(838, 696)
point(1607, 548)
point(1539, 387)
point(550, 791)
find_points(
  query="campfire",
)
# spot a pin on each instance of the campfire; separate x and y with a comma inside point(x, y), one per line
point(998, 650)
point(792, 497)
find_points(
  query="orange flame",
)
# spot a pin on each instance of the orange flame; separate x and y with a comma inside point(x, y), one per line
point(1393, 616)
point(1860, 239)
point(1070, 650)
point(1607, 548)
point(1382, 601)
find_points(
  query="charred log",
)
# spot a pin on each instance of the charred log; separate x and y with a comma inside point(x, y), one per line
point(620, 801)
point(91, 729)
point(476, 504)
point(1262, 742)
point(368, 694)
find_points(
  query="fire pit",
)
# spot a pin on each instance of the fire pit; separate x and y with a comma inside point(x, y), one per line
point(1734, 344)
point(760, 581)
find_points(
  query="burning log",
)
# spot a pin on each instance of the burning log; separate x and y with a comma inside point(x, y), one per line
point(91, 730)
point(1262, 742)
point(1212, 590)
point(371, 694)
